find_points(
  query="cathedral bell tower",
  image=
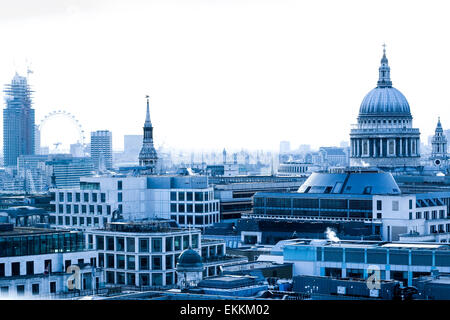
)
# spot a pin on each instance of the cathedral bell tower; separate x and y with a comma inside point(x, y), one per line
point(439, 155)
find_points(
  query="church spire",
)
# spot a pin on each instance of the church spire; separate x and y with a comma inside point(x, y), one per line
point(384, 79)
point(148, 156)
point(439, 126)
point(147, 117)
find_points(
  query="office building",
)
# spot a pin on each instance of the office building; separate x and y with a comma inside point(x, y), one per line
point(101, 150)
point(146, 253)
point(355, 204)
point(34, 262)
point(18, 121)
point(98, 200)
point(65, 171)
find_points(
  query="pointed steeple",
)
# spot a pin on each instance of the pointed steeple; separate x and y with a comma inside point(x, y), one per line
point(148, 122)
point(148, 156)
point(384, 79)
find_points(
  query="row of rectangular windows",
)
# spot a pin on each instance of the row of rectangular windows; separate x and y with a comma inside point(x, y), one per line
point(191, 196)
point(198, 207)
point(426, 215)
point(196, 220)
point(130, 262)
point(128, 244)
point(80, 221)
point(95, 196)
point(92, 209)
point(145, 279)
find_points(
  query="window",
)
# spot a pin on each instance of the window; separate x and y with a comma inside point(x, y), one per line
point(4, 291)
point(195, 241)
point(395, 205)
point(418, 215)
point(35, 289)
point(143, 245)
point(144, 263)
point(94, 197)
point(130, 245)
point(410, 216)
point(180, 207)
point(199, 208)
point(110, 260)
point(110, 243)
point(177, 243)
point(120, 261)
point(119, 185)
point(156, 245)
point(379, 215)
point(157, 279)
point(131, 262)
point(189, 208)
point(77, 197)
point(30, 268)
point(169, 244)
point(2, 270)
point(61, 197)
point(379, 205)
point(91, 209)
point(15, 269)
point(120, 244)
point(189, 196)
point(102, 197)
point(169, 261)
point(434, 214)
point(185, 242)
point(180, 196)
point(86, 197)
point(199, 196)
point(69, 197)
point(119, 197)
point(83, 208)
point(173, 207)
point(20, 290)
point(410, 204)
point(173, 196)
point(156, 263)
point(426, 215)
point(109, 277)
point(53, 287)
point(120, 278)
point(100, 242)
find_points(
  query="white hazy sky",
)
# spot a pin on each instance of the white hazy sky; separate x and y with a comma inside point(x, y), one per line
point(234, 74)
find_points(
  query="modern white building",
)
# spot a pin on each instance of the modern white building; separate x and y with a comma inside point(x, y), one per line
point(34, 262)
point(186, 199)
point(356, 203)
point(146, 253)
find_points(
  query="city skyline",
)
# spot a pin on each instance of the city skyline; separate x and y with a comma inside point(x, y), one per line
point(271, 79)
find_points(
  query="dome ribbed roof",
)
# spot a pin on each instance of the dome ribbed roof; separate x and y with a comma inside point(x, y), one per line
point(189, 260)
point(385, 100)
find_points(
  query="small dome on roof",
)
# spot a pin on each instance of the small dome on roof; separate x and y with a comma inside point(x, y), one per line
point(189, 260)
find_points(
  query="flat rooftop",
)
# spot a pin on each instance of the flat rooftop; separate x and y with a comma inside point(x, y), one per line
point(357, 244)
point(24, 231)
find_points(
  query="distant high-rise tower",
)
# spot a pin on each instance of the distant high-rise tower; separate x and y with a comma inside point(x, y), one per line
point(439, 146)
point(224, 156)
point(148, 157)
point(18, 121)
point(101, 149)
